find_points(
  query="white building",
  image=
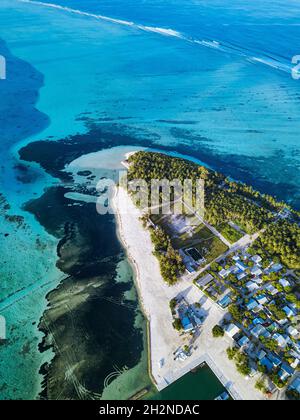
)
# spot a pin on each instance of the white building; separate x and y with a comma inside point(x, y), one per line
point(231, 330)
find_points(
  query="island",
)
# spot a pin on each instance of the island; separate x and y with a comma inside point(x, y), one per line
point(219, 287)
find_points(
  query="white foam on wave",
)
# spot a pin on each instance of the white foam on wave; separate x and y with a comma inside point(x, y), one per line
point(161, 31)
point(79, 12)
point(172, 33)
point(271, 63)
point(211, 44)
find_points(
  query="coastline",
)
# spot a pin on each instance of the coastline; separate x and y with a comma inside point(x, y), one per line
point(155, 294)
point(135, 268)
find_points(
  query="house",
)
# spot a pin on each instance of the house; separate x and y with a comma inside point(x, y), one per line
point(186, 323)
point(225, 301)
point(260, 331)
point(256, 259)
point(266, 362)
point(282, 322)
point(233, 269)
point(257, 309)
point(272, 290)
point(276, 268)
point(284, 283)
point(258, 281)
point(262, 299)
point(285, 372)
point(204, 280)
point(289, 312)
point(231, 330)
point(281, 341)
point(261, 354)
point(241, 276)
point(273, 327)
point(276, 361)
point(236, 258)
point(243, 341)
point(252, 286)
point(224, 273)
point(256, 271)
point(241, 266)
point(292, 331)
point(258, 321)
point(295, 363)
point(294, 308)
point(295, 385)
point(252, 304)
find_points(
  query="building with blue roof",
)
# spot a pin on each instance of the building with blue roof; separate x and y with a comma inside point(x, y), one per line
point(257, 321)
point(186, 323)
point(285, 372)
point(276, 361)
point(267, 363)
point(243, 341)
point(241, 265)
point(276, 268)
point(262, 299)
point(296, 384)
point(289, 312)
point(225, 301)
point(260, 331)
point(252, 304)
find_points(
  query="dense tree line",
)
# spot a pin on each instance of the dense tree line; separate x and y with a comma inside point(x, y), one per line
point(223, 205)
point(223, 201)
point(170, 261)
point(248, 191)
point(149, 166)
point(281, 240)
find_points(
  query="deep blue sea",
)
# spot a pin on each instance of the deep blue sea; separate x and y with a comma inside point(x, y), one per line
point(211, 79)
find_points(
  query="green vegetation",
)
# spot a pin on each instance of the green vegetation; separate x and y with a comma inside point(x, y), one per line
point(241, 360)
point(186, 349)
point(177, 324)
point(260, 385)
point(263, 200)
point(173, 304)
point(225, 200)
point(171, 265)
point(211, 249)
point(221, 204)
point(217, 331)
point(231, 352)
point(277, 312)
point(275, 379)
point(269, 343)
point(281, 240)
point(231, 234)
point(236, 313)
point(150, 165)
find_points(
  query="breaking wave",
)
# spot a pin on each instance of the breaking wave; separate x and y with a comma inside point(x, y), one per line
point(213, 44)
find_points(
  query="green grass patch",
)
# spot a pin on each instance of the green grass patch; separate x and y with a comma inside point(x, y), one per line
point(211, 249)
point(201, 233)
point(231, 234)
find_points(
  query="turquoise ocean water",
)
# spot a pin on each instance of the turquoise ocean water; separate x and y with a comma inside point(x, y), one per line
point(208, 79)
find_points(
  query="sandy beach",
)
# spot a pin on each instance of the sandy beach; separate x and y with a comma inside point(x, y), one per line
point(155, 296)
